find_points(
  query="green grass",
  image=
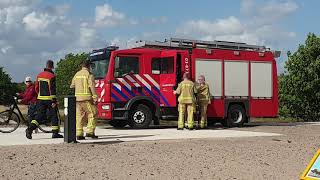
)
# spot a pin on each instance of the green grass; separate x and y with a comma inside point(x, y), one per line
point(276, 120)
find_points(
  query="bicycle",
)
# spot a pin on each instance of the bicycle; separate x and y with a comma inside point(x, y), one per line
point(10, 119)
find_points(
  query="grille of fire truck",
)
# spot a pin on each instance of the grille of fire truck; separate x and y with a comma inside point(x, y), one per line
point(189, 43)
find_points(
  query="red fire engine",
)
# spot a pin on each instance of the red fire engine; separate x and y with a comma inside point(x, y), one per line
point(136, 85)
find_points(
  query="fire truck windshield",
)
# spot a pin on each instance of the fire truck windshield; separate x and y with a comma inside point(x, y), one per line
point(100, 63)
point(99, 68)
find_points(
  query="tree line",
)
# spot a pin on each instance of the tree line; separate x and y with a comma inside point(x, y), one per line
point(299, 84)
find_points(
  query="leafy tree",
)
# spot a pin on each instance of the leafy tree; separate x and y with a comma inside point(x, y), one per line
point(300, 85)
point(7, 88)
point(66, 69)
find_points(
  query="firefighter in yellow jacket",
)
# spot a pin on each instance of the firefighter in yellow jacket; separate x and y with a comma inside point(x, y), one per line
point(86, 97)
point(203, 99)
point(186, 91)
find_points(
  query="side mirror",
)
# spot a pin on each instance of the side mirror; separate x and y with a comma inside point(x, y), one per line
point(116, 74)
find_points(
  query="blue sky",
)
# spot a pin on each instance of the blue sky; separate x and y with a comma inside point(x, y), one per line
point(33, 31)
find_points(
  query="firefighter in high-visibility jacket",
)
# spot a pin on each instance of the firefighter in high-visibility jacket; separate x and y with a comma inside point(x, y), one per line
point(46, 102)
point(86, 99)
point(186, 91)
point(203, 99)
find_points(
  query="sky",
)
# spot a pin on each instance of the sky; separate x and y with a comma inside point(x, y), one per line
point(33, 31)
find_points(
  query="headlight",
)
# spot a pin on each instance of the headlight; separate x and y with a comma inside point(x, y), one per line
point(106, 107)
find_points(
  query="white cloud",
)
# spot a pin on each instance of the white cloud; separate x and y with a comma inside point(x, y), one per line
point(159, 20)
point(30, 34)
point(11, 3)
point(11, 16)
point(230, 25)
point(261, 27)
point(269, 12)
point(87, 36)
point(106, 16)
point(5, 49)
point(37, 22)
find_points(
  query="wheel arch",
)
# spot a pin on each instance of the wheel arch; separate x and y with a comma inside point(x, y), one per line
point(146, 101)
point(242, 102)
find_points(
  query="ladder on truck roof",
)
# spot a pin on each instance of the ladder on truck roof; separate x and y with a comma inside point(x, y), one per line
point(189, 43)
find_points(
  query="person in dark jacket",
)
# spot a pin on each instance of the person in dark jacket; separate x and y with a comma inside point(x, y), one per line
point(46, 88)
point(29, 97)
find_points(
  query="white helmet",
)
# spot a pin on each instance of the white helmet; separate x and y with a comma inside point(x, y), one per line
point(28, 79)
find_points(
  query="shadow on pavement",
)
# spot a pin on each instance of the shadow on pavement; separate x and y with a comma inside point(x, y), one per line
point(101, 142)
point(216, 126)
point(122, 137)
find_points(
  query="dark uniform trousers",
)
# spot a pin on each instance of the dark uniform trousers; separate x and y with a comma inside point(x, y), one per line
point(44, 110)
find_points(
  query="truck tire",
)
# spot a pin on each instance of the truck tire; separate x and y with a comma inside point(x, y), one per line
point(140, 117)
point(118, 124)
point(236, 116)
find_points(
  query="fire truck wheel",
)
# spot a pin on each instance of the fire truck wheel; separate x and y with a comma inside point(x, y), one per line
point(118, 124)
point(236, 116)
point(140, 117)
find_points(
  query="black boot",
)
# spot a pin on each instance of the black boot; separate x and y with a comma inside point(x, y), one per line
point(56, 135)
point(29, 133)
point(30, 129)
point(93, 136)
point(80, 138)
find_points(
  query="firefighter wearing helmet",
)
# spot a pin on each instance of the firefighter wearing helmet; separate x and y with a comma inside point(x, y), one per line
point(86, 99)
point(186, 91)
point(203, 99)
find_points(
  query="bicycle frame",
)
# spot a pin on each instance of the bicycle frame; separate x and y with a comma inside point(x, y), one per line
point(15, 106)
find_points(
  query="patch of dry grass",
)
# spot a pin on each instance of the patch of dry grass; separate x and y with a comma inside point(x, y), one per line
point(275, 120)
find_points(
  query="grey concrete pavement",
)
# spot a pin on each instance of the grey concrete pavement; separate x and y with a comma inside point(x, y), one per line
point(111, 135)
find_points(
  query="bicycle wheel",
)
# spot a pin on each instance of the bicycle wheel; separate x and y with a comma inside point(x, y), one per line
point(9, 121)
point(46, 126)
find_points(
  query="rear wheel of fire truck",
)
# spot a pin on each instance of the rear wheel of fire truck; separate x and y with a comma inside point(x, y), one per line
point(140, 117)
point(236, 116)
point(118, 123)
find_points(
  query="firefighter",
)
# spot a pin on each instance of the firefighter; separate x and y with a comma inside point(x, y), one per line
point(186, 91)
point(86, 97)
point(29, 97)
point(47, 103)
point(203, 99)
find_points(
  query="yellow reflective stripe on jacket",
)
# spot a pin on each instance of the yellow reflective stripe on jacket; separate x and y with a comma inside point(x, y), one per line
point(45, 97)
point(55, 128)
point(85, 86)
point(44, 79)
point(35, 122)
point(187, 85)
point(186, 98)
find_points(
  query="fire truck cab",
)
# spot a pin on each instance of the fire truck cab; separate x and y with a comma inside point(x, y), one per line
point(135, 86)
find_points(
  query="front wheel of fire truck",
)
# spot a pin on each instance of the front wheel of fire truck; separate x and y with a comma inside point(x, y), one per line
point(236, 116)
point(140, 117)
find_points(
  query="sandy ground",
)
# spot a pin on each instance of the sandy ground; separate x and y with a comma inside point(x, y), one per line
point(280, 157)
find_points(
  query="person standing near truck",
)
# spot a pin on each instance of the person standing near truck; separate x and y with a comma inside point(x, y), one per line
point(186, 91)
point(46, 101)
point(203, 100)
point(86, 99)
